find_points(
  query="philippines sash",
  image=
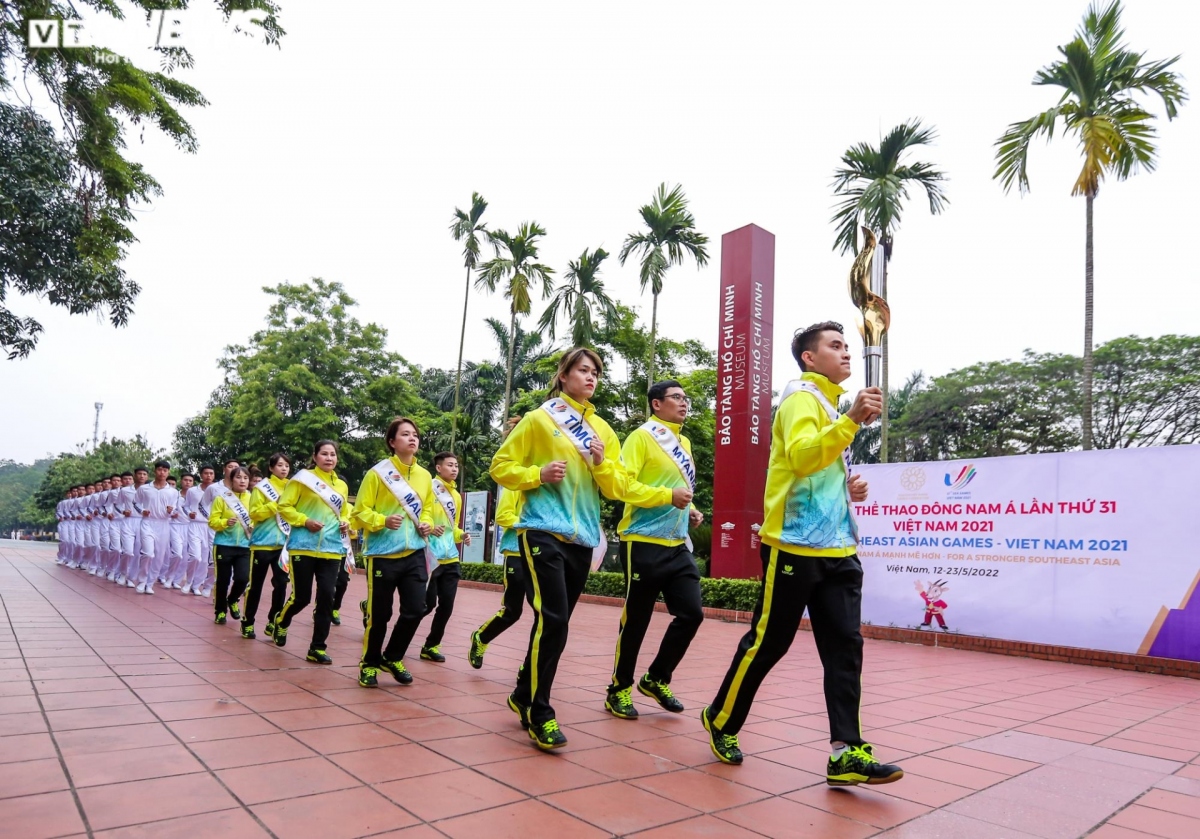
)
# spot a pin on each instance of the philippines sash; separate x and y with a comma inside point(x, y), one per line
point(335, 501)
point(268, 490)
point(410, 502)
point(577, 430)
point(673, 448)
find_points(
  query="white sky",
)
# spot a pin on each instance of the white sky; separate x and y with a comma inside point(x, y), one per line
point(343, 155)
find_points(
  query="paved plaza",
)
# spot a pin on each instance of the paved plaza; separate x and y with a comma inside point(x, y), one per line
point(128, 715)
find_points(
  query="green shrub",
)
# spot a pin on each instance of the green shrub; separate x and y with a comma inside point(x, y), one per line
point(720, 593)
point(702, 541)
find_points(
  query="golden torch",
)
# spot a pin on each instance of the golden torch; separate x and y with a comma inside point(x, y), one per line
point(866, 287)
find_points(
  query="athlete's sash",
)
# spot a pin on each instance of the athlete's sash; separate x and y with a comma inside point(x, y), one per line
point(577, 430)
point(802, 386)
point(673, 448)
point(410, 502)
point(268, 490)
point(446, 499)
point(239, 510)
point(335, 501)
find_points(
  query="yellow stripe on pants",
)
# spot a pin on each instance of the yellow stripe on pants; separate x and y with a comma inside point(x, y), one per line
point(370, 605)
point(624, 608)
point(537, 610)
point(760, 630)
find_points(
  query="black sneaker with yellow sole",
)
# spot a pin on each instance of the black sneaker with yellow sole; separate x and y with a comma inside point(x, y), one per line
point(432, 654)
point(620, 705)
point(547, 735)
point(235, 612)
point(248, 631)
point(368, 677)
point(280, 635)
point(475, 653)
point(318, 657)
point(399, 672)
point(661, 693)
point(858, 765)
point(520, 709)
point(724, 746)
point(336, 618)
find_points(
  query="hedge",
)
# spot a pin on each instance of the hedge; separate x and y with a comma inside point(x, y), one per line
point(720, 593)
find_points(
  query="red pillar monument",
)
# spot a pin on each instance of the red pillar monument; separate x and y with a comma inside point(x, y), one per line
point(743, 422)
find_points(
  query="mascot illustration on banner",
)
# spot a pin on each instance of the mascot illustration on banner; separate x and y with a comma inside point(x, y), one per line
point(935, 606)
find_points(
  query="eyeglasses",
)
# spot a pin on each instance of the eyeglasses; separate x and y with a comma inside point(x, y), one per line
point(679, 397)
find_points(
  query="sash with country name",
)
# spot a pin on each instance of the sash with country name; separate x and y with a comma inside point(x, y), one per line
point(446, 498)
point(577, 430)
point(673, 448)
point(271, 494)
point(409, 500)
point(801, 385)
point(239, 510)
point(331, 497)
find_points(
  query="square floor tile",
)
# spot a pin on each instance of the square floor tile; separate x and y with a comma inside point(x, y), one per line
point(448, 794)
point(292, 779)
point(345, 814)
point(101, 768)
point(228, 824)
point(50, 814)
point(519, 821)
point(138, 802)
point(392, 763)
point(619, 807)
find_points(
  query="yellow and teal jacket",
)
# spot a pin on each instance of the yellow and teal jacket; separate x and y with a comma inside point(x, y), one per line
point(228, 535)
point(375, 502)
point(645, 459)
point(298, 504)
point(569, 510)
point(262, 512)
point(445, 547)
point(508, 511)
point(806, 508)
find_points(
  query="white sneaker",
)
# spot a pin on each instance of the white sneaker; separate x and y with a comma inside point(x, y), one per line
point(150, 589)
point(141, 588)
point(208, 592)
point(198, 593)
point(187, 589)
point(130, 583)
point(120, 580)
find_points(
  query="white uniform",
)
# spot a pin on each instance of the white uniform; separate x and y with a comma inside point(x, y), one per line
point(92, 541)
point(101, 519)
point(130, 526)
point(174, 574)
point(155, 532)
point(206, 502)
point(196, 567)
point(61, 530)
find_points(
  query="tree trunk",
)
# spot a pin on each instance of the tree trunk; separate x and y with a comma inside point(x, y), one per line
point(512, 348)
point(1087, 331)
point(462, 340)
point(653, 342)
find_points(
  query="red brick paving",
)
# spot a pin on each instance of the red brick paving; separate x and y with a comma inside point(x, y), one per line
point(123, 715)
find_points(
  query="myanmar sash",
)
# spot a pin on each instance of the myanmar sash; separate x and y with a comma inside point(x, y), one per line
point(409, 500)
point(673, 448)
point(331, 497)
point(577, 430)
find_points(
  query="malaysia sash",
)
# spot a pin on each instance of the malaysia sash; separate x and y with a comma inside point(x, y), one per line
point(331, 497)
point(268, 490)
point(577, 430)
point(673, 448)
point(239, 510)
point(410, 502)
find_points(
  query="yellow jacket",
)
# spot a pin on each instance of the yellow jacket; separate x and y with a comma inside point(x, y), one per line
point(375, 502)
point(806, 507)
point(644, 459)
point(230, 535)
point(570, 509)
point(298, 504)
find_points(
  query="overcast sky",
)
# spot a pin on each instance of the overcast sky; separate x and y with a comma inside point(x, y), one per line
point(343, 154)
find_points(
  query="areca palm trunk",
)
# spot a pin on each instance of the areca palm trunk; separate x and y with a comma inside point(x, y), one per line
point(512, 347)
point(462, 340)
point(653, 341)
point(1087, 329)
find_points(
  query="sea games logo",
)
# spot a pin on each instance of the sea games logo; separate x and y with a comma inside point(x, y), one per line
point(956, 483)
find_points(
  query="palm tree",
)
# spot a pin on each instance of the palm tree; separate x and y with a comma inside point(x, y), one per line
point(581, 298)
point(670, 236)
point(521, 273)
point(1099, 76)
point(466, 228)
point(874, 182)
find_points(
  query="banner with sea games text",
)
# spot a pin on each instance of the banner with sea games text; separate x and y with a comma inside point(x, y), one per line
point(1091, 549)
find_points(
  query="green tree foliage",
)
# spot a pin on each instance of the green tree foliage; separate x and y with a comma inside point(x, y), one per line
point(669, 238)
point(18, 482)
point(314, 372)
point(66, 209)
point(873, 183)
point(1147, 394)
point(1099, 78)
point(84, 467)
point(582, 300)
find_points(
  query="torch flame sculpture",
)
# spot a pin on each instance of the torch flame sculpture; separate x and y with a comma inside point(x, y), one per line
point(866, 283)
